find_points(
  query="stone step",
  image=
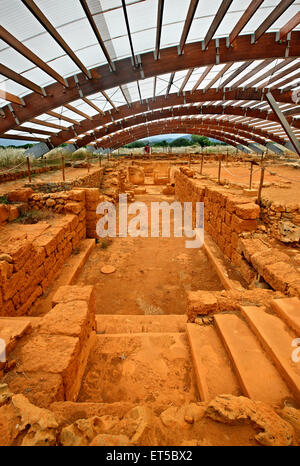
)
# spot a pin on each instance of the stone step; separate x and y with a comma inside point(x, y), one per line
point(120, 324)
point(11, 330)
point(154, 369)
point(214, 374)
point(255, 371)
point(227, 276)
point(289, 311)
point(277, 339)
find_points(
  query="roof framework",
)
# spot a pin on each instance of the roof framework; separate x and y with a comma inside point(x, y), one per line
point(82, 69)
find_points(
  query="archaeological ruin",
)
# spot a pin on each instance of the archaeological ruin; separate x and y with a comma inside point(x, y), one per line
point(149, 223)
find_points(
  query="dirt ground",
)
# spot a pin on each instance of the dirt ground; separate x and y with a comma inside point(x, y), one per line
point(152, 274)
point(48, 177)
point(287, 178)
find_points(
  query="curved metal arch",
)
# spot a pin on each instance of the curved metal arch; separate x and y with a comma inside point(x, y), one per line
point(139, 119)
point(102, 78)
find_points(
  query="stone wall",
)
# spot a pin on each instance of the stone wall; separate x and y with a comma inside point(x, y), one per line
point(282, 220)
point(16, 175)
point(226, 216)
point(231, 221)
point(54, 352)
point(90, 180)
point(30, 260)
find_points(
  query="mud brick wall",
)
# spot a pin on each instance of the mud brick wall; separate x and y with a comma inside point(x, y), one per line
point(225, 216)
point(282, 220)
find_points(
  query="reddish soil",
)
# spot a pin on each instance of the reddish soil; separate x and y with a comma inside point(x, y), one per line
point(152, 274)
point(287, 179)
point(48, 177)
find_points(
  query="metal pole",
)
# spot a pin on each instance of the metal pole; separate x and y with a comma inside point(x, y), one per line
point(262, 175)
point(63, 167)
point(88, 165)
point(29, 170)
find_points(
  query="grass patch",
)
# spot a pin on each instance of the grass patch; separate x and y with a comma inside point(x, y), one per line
point(4, 199)
point(30, 217)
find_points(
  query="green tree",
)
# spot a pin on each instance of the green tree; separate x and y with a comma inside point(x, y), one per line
point(200, 140)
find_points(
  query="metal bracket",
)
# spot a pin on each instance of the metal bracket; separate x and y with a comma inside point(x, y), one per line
point(13, 114)
point(112, 118)
point(217, 41)
point(78, 87)
point(253, 38)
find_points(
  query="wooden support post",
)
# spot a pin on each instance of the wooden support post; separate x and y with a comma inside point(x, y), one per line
point(251, 174)
point(63, 168)
point(227, 157)
point(28, 168)
point(99, 160)
point(262, 175)
point(202, 162)
point(219, 171)
point(190, 160)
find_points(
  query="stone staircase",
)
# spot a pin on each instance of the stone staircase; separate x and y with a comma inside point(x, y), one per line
point(258, 346)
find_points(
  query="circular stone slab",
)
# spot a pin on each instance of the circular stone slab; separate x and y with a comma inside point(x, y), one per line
point(108, 269)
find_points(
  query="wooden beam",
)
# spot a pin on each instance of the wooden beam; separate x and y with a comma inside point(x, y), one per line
point(28, 129)
point(91, 104)
point(218, 76)
point(225, 5)
point(129, 33)
point(57, 96)
point(283, 74)
point(284, 123)
point(177, 103)
point(239, 70)
point(184, 82)
point(109, 100)
point(125, 96)
point(62, 117)
point(273, 16)
point(18, 78)
point(247, 15)
point(37, 13)
point(97, 33)
point(251, 73)
point(283, 82)
point(160, 12)
point(21, 138)
point(171, 80)
point(48, 124)
point(270, 72)
point(79, 112)
point(202, 77)
point(194, 113)
point(11, 98)
point(289, 26)
point(27, 53)
point(187, 25)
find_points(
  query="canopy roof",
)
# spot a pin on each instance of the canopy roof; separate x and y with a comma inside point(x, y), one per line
point(80, 70)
